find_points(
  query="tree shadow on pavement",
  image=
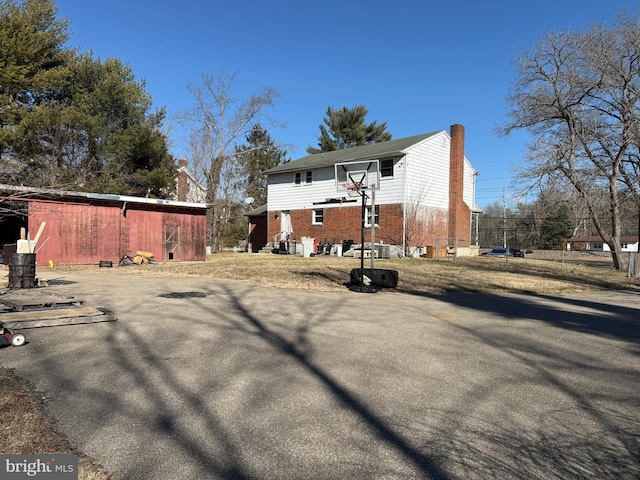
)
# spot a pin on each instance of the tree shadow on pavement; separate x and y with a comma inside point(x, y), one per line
point(246, 343)
point(586, 314)
point(422, 462)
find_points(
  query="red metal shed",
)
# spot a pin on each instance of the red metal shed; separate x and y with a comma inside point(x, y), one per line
point(86, 228)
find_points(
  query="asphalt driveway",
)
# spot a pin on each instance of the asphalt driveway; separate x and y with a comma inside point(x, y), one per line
point(210, 379)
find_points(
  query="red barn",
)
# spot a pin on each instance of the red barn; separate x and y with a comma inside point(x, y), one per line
point(86, 228)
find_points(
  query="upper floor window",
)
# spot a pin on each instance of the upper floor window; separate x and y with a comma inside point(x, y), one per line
point(386, 168)
point(297, 178)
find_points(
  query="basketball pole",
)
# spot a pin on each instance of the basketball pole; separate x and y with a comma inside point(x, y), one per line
point(364, 217)
point(373, 223)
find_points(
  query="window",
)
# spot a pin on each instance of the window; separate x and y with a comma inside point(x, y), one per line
point(297, 178)
point(317, 216)
point(386, 168)
point(368, 216)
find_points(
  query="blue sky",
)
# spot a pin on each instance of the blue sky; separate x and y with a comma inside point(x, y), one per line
point(419, 66)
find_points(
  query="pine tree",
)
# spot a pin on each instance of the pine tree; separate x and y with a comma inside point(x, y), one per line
point(260, 153)
point(557, 228)
point(69, 121)
point(346, 128)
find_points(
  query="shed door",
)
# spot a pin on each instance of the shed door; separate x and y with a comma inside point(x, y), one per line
point(171, 242)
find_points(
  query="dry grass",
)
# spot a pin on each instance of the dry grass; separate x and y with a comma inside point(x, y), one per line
point(26, 429)
point(537, 274)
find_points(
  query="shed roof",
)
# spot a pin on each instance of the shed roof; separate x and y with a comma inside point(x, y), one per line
point(363, 152)
point(27, 192)
point(597, 238)
point(261, 210)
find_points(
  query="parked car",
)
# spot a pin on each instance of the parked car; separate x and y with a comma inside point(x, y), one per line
point(505, 252)
point(499, 252)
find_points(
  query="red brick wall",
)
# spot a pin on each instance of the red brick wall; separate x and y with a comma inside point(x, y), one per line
point(341, 223)
point(459, 212)
point(344, 223)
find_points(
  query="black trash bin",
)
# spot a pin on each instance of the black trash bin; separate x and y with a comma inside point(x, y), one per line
point(379, 277)
point(22, 270)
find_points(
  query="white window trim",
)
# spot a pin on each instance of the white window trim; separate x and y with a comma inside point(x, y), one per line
point(393, 169)
point(313, 216)
point(367, 222)
point(303, 178)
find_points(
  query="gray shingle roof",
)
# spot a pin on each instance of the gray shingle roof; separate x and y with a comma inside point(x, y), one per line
point(370, 151)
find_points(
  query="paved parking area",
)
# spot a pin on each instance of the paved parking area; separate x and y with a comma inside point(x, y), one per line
point(213, 379)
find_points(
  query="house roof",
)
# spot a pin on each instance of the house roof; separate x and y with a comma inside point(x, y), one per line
point(596, 238)
point(369, 151)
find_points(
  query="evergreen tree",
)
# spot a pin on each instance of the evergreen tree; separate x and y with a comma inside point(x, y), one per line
point(557, 228)
point(32, 64)
point(258, 154)
point(346, 128)
point(69, 121)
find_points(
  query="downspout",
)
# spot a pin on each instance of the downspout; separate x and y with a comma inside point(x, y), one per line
point(404, 206)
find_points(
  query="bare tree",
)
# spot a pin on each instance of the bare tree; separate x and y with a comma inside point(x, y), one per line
point(578, 93)
point(216, 122)
point(422, 224)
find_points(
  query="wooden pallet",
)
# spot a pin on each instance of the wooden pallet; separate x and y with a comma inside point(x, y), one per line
point(36, 300)
point(56, 317)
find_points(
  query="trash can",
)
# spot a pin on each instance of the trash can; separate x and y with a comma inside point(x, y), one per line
point(308, 245)
point(22, 270)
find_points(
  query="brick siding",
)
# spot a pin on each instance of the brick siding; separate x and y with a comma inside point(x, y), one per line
point(459, 212)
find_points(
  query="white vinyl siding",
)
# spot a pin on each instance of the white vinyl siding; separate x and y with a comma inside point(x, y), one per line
point(283, 195)
point(469, 193)
point(425, 167)
point(428, 173)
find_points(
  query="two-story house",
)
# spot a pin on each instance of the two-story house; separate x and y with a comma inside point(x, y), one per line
point(426, 196)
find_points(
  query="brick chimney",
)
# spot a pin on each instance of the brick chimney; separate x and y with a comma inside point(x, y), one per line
point(183, 184)
point(459, 212)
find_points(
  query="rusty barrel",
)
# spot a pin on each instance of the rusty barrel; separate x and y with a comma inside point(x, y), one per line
point(22, 270)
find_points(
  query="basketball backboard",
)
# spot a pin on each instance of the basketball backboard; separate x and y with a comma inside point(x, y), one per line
point(365, 175)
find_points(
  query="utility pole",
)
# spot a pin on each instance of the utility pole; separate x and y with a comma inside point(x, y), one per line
point(504, 220)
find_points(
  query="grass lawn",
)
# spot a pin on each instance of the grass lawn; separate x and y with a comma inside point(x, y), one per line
point(538, 273)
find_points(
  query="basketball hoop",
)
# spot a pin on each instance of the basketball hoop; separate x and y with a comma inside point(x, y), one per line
point(352, 188)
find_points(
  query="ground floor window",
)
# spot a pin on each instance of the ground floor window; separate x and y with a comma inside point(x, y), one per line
point(317, 216)
point(368, 216)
